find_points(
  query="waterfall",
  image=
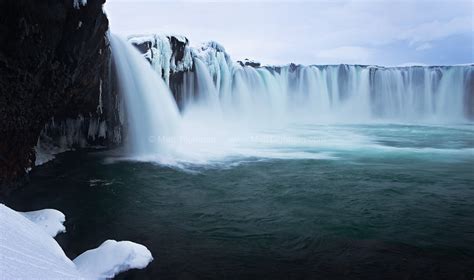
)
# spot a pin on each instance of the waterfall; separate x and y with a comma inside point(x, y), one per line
point(422, 92)
point(347, 93)
point(234, 110)
point(208, 93)
point(151, 110)
point(321, 93)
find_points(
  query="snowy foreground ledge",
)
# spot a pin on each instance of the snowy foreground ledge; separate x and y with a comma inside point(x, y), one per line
point(29, 251)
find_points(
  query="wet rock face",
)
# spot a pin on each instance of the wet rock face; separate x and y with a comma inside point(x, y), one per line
point(248, 62)
point(178, 47)
point(54, 60)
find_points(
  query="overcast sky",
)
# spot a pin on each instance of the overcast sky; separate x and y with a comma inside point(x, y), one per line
point(383, 32)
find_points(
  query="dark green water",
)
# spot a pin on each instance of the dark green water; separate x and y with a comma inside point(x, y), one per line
point(400, 208)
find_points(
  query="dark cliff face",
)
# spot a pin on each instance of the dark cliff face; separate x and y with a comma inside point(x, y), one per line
point(54, 63)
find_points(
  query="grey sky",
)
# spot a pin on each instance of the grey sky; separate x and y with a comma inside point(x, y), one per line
point(312, 32)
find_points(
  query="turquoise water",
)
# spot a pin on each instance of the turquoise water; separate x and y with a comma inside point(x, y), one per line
point(341, 202)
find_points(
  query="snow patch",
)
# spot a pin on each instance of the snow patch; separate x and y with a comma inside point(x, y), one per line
point(50, 220)
point(140, 39)
point(111, 258)
point(29, 251)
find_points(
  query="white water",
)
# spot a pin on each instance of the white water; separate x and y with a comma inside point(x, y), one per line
point(344, 93)
point(232, 113)
point(151, 110)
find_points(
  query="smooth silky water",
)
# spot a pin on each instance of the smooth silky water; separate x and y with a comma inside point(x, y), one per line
point(355, 201)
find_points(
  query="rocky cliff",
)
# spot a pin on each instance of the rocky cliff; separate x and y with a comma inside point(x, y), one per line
point(54, 67)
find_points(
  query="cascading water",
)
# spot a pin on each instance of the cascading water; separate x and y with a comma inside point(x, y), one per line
point(416, 93)
point(325, 93)
point(348, 93)
point(208, 94)
point(152, 112)
point(231, 111)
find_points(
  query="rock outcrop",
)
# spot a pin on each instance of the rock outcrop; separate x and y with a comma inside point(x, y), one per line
point(54, 65)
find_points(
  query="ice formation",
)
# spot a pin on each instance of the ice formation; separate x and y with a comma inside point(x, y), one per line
point(65, 135)
point(100, 106)
point(29, 251)
point(78, 3)
point(160, 53)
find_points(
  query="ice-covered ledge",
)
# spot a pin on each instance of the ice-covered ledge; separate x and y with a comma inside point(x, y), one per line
point(28, 250)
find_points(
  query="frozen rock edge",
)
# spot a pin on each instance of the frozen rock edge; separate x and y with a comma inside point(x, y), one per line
point(29, 251)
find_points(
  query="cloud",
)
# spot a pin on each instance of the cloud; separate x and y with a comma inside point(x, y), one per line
point(436, 30)
point(346, 54)
point(310, 31)
point(424, 46)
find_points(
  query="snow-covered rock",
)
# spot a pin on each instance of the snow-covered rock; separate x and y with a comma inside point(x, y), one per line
point(29, 251)
point(214, 56)
point(111, 258)
point(167, 54)
point(50, 220)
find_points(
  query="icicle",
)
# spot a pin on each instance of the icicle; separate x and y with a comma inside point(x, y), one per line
point(100, 106)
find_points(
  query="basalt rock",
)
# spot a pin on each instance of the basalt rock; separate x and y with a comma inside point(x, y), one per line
point(249, 62)
point(54, 64)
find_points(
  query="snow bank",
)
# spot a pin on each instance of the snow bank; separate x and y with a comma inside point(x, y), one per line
point(111, 258)
point(50, 220)
point(29, 251)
